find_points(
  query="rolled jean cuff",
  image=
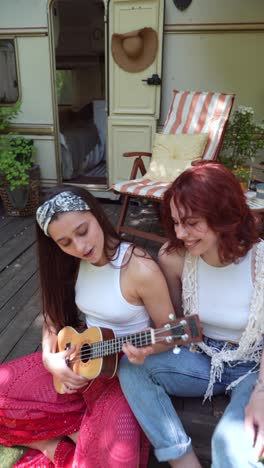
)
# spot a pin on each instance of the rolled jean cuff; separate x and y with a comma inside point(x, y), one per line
point(174, 452)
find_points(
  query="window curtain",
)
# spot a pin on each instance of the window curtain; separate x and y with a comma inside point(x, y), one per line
point(8, 73)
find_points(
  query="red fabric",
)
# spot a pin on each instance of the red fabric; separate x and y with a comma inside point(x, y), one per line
point(142, 188)
point(31, 410)
point(33, 459)
point(64, 456)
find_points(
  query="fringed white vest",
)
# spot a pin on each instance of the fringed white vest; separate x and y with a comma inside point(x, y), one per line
point(251, 342)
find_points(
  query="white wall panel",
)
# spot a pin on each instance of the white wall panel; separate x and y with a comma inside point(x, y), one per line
point(220, 61)
point(34, 65)
point(23, 13)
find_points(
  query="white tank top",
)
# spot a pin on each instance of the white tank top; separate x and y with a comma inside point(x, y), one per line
point(224, 295)
point(99, 297)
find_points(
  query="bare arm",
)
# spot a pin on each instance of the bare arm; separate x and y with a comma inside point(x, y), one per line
point(147, 285)
point(153, 290)
point(172, 266)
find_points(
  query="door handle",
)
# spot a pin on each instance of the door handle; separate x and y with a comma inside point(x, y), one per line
point(153, 80)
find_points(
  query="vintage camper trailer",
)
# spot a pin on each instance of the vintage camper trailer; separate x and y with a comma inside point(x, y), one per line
point(81, 102)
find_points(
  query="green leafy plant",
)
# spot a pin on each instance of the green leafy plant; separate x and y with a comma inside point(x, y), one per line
point(243, 139)
point(16, 152)
point(7, 114)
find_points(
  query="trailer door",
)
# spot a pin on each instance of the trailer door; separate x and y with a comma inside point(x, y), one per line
point(134, 98)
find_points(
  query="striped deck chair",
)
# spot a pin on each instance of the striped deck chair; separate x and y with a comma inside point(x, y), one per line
point(190, 112)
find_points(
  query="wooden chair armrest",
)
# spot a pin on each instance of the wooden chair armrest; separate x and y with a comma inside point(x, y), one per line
point(137, 153)
point(138, 165)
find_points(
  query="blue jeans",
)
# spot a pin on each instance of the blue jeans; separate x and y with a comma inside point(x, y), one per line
point(147, 389)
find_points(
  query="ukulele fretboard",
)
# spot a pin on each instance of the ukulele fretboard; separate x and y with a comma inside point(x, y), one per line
point(108, 347)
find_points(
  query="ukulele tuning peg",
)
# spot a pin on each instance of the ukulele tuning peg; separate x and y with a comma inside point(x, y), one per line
point(176, 350)
point(185, 337)
point(168, 339)
point(183, 323)
point(172, 316)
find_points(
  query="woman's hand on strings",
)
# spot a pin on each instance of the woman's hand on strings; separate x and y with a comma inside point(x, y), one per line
point(137, 355)
point(56, 364)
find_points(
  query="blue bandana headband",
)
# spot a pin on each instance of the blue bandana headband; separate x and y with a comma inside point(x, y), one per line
point(61, 203)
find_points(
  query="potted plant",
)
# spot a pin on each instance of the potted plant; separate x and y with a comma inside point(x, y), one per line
point(243, 138)
point(19, 175)
point(243, 175)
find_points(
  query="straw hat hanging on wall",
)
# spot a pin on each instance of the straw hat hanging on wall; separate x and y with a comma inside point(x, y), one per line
point(136, 50)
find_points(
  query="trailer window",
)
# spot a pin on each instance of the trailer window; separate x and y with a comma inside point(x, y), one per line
point(64, 81)
point(8, 72)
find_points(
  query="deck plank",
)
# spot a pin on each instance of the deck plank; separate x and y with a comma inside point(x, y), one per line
point(30, 341)
point(22, 319)
point(4, 220)
point(17, 303)
point(16, 246)
point(17, 274)
point(13, 228)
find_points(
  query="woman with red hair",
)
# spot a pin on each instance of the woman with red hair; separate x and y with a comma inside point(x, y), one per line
point(213, 262)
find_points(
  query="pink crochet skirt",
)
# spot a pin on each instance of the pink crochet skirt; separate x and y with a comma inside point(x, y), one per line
point(31, 410)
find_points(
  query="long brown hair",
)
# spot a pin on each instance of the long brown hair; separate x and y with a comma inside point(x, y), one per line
point(214, 193)
point(58, 270)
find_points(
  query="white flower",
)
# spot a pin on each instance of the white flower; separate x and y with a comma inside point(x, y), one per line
point(245, 110)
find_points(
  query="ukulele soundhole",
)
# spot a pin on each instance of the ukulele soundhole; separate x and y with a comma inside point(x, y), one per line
point(85, 352)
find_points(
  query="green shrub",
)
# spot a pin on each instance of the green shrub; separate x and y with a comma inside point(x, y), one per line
point(243, 139)
point(16, 152)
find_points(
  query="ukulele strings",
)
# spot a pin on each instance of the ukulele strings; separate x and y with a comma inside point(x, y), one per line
point(96, 352)
point(100, 346)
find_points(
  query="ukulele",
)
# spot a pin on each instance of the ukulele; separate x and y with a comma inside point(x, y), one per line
point(97, 348)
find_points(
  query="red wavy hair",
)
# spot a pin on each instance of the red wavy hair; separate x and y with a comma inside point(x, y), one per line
point(211, 191)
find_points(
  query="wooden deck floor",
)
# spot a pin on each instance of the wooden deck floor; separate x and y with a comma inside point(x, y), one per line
point(20, 309)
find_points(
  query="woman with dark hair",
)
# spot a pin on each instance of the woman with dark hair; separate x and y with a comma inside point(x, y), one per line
point(214, 265)
point(84, 265)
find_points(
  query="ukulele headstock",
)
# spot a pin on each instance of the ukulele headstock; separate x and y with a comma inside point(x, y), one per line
point(184, 330)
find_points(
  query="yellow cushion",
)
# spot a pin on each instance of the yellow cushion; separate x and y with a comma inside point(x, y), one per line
point(172, 154)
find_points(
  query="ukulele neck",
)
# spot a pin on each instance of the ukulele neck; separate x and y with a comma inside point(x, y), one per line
point(115, 345)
